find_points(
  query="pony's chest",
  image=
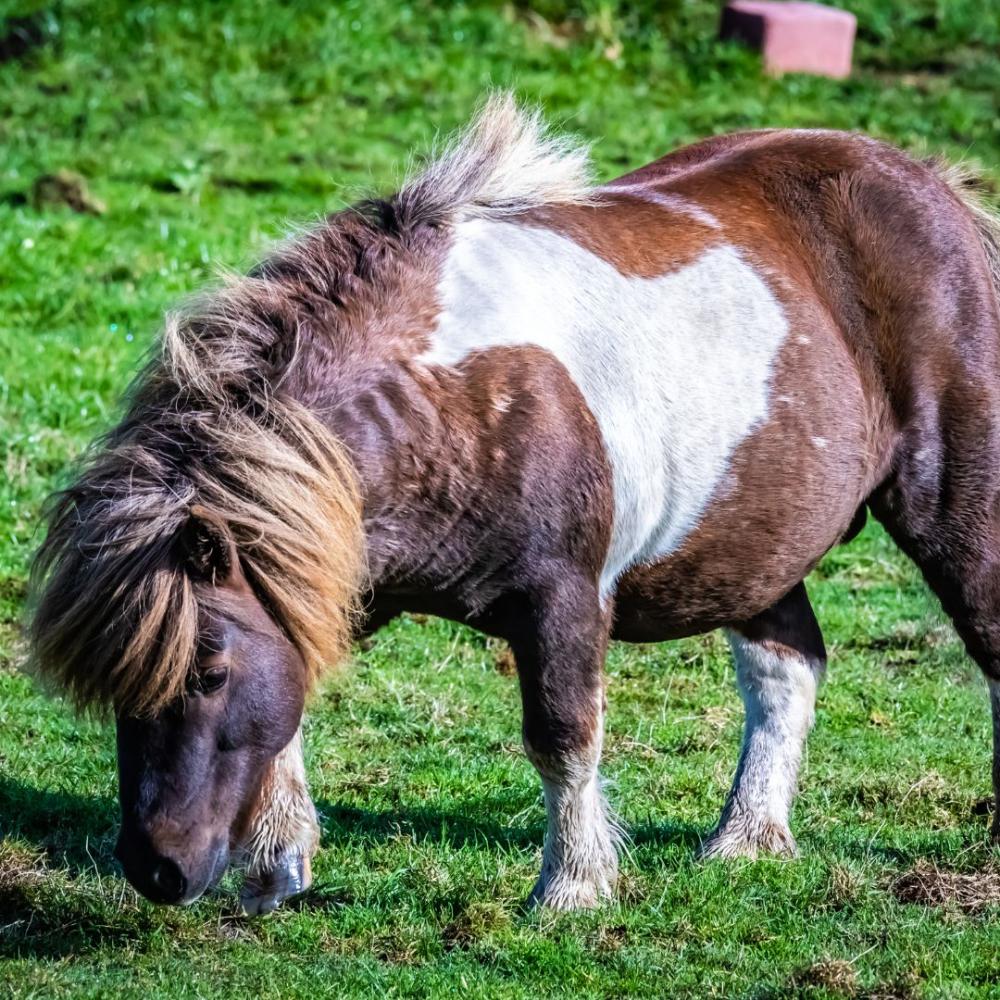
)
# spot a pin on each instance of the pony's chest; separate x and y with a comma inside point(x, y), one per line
point(675, 369)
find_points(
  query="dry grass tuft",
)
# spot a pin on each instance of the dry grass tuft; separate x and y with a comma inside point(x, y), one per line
point(503, 660)
point(928, 885)
point(19, 868)
point(473, 923)
point(834, 975)
point(844, 887)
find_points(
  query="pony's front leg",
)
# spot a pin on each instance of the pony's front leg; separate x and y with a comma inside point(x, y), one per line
point(560, 666)
point(779, 661)
point(282, 835)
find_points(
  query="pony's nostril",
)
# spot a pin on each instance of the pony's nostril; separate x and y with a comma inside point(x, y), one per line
point(169, 881)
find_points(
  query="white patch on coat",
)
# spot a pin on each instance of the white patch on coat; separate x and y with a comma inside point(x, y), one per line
point(666, 199)
point(675, 369)
point(778, 686)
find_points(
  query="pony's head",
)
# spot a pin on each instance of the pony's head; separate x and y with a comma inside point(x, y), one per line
point(189, 773)
point(194, 580)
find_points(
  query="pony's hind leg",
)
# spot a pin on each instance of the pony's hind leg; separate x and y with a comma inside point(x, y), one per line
point(959, 554)
point(779, 661)
point(560, 669)
point(282, 835)
point(994, 689)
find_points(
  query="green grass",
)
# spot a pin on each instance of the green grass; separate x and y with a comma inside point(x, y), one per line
point(206, 128)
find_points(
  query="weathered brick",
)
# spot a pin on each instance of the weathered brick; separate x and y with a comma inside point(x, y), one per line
point(793, 37)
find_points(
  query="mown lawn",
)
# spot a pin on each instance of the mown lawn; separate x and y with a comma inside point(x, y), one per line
point(204, 129)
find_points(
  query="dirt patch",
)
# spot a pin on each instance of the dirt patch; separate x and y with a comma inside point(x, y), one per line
point(838, 977)
point(608, 940)
point(65, 187)
point(928, 885)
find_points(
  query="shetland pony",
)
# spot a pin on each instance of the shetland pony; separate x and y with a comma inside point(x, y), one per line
point(560, 412)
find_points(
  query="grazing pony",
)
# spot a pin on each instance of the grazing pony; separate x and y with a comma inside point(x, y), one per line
point(562, 413)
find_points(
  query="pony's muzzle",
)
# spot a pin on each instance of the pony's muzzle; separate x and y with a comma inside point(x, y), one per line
point(166, 880)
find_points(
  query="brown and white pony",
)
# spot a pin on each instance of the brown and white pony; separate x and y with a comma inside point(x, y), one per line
point(562, 413)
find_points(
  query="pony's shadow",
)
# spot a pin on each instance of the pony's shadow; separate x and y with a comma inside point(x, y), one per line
point(73, 835)
point(74, 832)
point(472, 826)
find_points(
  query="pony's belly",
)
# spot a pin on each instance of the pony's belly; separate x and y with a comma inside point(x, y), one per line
point(677, 597)
point(735, 565)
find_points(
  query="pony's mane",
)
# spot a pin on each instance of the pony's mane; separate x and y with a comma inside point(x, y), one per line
point(504, 162)
point(217, 419)
point(115, 620)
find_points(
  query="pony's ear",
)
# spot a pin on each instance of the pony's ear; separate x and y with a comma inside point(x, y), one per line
point(208, 548)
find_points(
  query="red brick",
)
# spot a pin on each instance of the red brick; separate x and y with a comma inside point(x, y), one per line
point(793, 37)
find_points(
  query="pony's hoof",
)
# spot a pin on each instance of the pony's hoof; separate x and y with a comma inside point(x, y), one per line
point(750, 838)
point(266, 891)
point(565, 893)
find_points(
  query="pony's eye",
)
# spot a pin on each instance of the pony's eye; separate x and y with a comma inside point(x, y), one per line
point(212, 679)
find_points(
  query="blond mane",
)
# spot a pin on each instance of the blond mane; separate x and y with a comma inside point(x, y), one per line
point(115, 619)
point(505, 161)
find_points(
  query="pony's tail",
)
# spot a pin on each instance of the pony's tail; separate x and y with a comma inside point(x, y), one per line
point(967, 185)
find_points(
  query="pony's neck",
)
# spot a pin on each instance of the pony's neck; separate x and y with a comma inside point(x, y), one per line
point(416, 481)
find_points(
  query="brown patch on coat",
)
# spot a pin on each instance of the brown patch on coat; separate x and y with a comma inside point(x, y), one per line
point(500, 469)
point(499, 460)
point(897, 308)
point(638, 237)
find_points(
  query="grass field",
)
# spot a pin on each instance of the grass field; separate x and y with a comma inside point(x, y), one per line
point(204, 129)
